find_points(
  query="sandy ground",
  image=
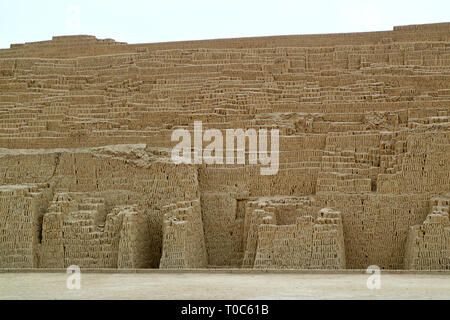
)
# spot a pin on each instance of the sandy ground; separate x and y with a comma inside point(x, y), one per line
point(223, 286)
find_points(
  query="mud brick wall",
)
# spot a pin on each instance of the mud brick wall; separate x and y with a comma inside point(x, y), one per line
point(376, 226)
point(134, 250)
point(307, 244)
point(425, 167)
point(328, 251)
point(281, 210)
point(284, 246)
point(254, 218)
point(183, 236)
point(248, 180)
point(82, 235)
point(221, 220)
point(77, 230)
point(120, 175)
point(364, 129)
point(21, 211)
point(222, 189)
point(428, 244)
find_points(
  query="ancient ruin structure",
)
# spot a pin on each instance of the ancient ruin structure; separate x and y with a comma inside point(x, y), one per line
point(86, 176)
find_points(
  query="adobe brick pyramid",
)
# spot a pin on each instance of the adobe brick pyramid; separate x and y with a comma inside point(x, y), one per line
point(86, 176)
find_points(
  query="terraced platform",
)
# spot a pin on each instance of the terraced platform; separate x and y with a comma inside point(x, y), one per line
point(86, 176)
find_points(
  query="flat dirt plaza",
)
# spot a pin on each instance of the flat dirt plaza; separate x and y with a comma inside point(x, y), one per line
point(224, 285)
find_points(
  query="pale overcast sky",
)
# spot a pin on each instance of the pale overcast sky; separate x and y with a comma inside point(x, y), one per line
point(136, 21)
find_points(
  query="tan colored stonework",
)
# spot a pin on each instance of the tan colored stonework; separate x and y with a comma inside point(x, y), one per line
point(428, 244)
point(86, 176)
